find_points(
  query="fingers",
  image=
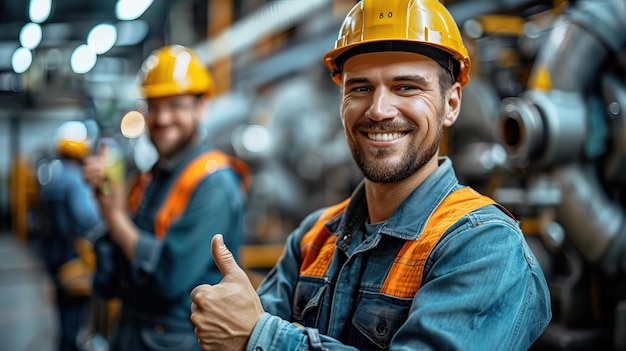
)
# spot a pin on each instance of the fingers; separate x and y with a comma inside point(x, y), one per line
point(94, 171)
point(196, 292)
point(196, 316)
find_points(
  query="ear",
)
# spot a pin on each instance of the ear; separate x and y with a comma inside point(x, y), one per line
point(452, 104)
point(201, 108)
point(202, 103)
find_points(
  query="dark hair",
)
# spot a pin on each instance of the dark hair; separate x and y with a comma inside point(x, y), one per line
point(445, 80)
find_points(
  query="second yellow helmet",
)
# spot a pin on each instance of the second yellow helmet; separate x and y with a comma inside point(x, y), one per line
point(72, 140)
point(175, 70)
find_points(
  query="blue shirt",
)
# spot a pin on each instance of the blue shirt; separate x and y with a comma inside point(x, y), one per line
point(482, 287)
point(70, 208)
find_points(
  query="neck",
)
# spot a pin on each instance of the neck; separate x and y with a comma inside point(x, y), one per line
point(174, 159)
point(384, 198)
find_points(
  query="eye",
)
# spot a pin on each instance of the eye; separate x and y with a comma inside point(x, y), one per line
point(179, 105)
point(407, 87)
point(361, 89)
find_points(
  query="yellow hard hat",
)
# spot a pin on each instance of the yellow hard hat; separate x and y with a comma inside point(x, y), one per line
point(72, 140)
point(398, 25)
point(73, 148)
point(174, 70)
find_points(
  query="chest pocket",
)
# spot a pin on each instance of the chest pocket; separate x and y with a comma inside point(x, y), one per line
point(307, 301)
point(378, 318)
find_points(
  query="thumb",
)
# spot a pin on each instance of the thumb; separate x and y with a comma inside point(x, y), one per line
point(222, 256)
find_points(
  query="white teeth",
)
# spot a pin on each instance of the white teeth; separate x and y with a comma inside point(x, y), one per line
point(383, 136)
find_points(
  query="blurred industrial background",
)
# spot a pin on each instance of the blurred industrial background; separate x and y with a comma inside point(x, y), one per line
point(542, 127)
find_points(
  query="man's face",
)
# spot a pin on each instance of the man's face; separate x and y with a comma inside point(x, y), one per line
point(393, 113)
point(172, 122)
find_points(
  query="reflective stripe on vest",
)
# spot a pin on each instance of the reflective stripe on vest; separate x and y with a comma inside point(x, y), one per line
point(405, 276)
point(184, 185)
point(314, 262)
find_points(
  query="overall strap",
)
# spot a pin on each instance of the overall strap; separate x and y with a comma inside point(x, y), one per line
point(405, 276)
point(137, 185)
point(317, 245)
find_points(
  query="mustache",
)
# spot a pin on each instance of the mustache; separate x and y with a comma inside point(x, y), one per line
point(383, 126)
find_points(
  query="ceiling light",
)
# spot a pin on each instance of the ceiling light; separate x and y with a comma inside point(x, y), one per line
point(21, 60)
point(101, 38)
point(39, 10)
point(83, 59)
point(30, 35)
point(128, 10)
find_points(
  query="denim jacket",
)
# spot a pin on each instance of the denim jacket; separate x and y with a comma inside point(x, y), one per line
point(482, 287)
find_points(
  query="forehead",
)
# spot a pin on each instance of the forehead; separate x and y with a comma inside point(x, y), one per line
point(172, 99)
point(392, 62)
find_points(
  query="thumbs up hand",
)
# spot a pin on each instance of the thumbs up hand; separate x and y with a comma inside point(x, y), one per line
point(225, 314)
point(107, 179)
point(94, 169)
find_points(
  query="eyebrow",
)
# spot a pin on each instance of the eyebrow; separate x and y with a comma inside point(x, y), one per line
point(356, 81)
point(412, 78)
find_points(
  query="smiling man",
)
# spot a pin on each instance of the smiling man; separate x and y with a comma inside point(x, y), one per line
point(413, 260)
point(155, 256)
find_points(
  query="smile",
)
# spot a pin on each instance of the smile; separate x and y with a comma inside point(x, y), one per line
point(384, 136)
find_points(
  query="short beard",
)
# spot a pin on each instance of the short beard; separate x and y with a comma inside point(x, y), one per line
point(415, 159)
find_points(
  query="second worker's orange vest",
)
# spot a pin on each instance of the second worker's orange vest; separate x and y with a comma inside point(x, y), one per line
point(184, 185)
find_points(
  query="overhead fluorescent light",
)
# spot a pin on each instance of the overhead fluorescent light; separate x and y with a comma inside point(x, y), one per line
point(128, 10)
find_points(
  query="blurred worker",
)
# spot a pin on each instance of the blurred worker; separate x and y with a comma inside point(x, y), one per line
point(412, 260)
point(161, 250)
point(70, 212)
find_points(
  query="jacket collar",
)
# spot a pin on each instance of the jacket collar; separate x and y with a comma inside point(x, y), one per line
point(409, 219)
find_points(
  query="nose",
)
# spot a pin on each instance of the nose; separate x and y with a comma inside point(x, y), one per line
point(158, 115)
point(383, 106)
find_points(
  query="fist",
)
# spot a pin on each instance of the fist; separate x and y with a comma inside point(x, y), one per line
point(225, 314)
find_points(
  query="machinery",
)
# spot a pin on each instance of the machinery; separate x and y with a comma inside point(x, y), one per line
point(542, 130)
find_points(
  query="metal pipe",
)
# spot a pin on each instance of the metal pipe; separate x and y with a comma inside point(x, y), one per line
point(547, 125)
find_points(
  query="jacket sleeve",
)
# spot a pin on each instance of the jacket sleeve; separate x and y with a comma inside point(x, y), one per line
point(109, 263)
point(82, 205)
point(483, 289)
point(274, 333)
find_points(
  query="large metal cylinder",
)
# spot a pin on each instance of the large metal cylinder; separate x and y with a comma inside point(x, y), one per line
point(547, 125)
point(540, 129)
point(591, 220)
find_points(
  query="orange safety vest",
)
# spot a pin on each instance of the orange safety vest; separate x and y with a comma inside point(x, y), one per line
point(405, 276)
point(179, 194)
